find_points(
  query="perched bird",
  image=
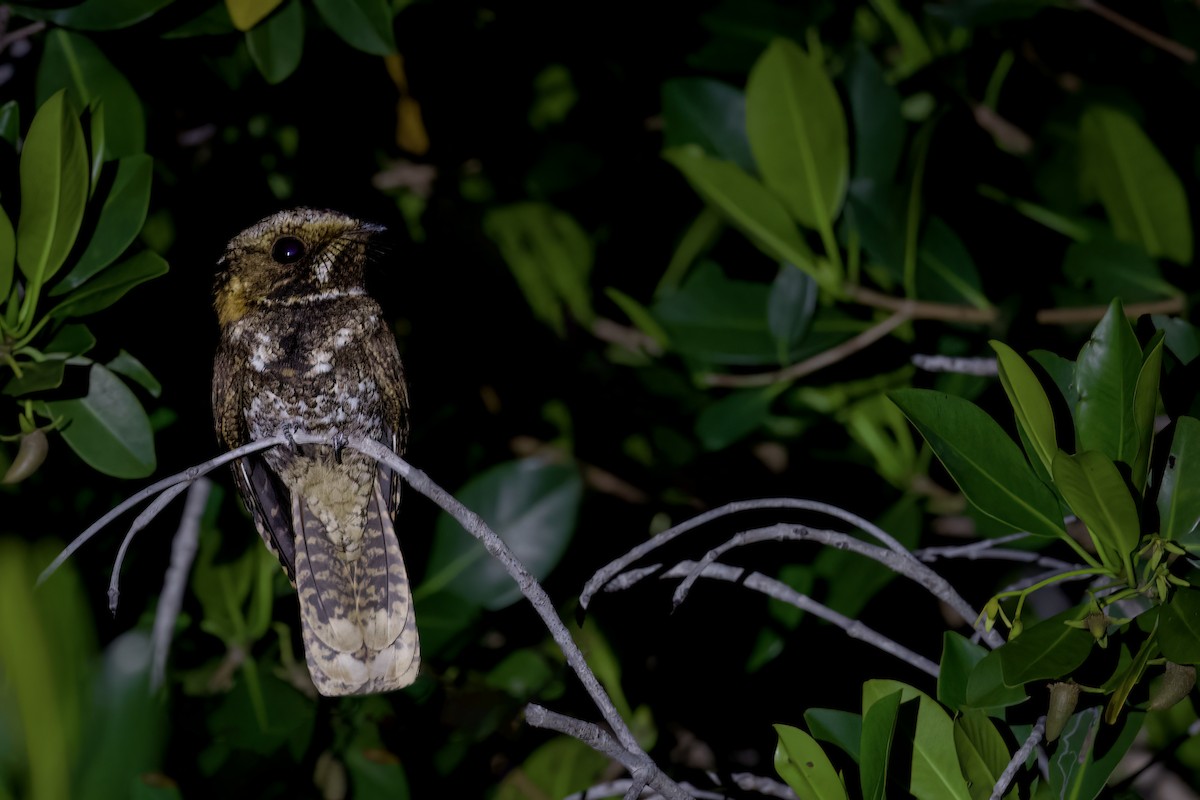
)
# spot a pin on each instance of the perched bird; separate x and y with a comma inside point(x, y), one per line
point(304, 349)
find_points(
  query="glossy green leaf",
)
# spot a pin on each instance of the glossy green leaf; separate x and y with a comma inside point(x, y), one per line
point(982, 753)
point(73, 63)
point(1133, 674)
point(878, 727)
point(121, 218)
point(110, 285)
point(1179, 627)
point(1075, 772)
point(639, 315)
point(213, 21)
point(797, 132)
point(878, 126)
point(1109, 268)
point(1062, 373)
point(365, 25)
point(983, 461)
point(108, 428)
point(96, 140)
point(876, 213)
point(985, 688)
point(1049, 649)
point(1096, 492)
point(803, 765)
point(698, 239)
point(1181, 336)
point(707, 113)
point(791, 307)
point(946, 273)
point(8, 255)
point(1145, 404)
point(1030, 403)
point(746, 204)
point(10, 122)
point(531, 505)
point(718, 320)
point(734, 417)
point(102, 15)
point(1179, 496)
point(37, 377)
point(935, 774)
point(248, 13)
point(1106, 377)
point(1144, 199)
point(54, 178)
point(841, 728)
point(130, 367)
point(70, 340)
point(276, 45)
point(561, 767)
point(959, 657)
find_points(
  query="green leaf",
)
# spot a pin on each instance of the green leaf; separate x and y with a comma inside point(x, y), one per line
point(376, 774)
point(747, 205)
point(791, 307)
point(96, 141)
point(878, 726)
point(365, 25)
point(71, 340)
point(8, 255)
point(1144, 199)
point(802, 763)
point(935, 774)
point(878, 125)
point(983, 461)
point(946, 272)
point(136, 371)
point(73, 63)
point(248, 13)
point(982, 753)
point(1075, 772)
point(109, 286)
point(561, 767)
point(276, 45)
point(121, 218)
point(1106, 375)
point(798, 133)
point(1179, 627)
point(985, 688)
point(108, 428)
point(1096, 492)
point(707, 113)
point(959, 657)
point(639, 315)
point(1110, 268)
point(1030, 403)
point(37, 377)
point(1179, 496)
point(734, 416)
point(103, 15)
point(841, 728)
point(718, 320)
point(10, 122)
point(54, 177)
point(1133, 673)
point(1049, 649)
point(1145, 404)
point(531, 505)
point(1182, 337)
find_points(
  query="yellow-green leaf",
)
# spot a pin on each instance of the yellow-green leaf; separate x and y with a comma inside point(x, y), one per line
point(248, 13)
point(1030, 403)
point(1096, 492)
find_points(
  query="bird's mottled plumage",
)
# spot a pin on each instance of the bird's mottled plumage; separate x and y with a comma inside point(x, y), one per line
point(305, 349)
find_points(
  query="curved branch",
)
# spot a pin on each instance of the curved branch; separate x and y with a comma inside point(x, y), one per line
point(1018, 759)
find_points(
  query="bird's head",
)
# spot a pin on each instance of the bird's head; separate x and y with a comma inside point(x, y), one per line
point(290, 258)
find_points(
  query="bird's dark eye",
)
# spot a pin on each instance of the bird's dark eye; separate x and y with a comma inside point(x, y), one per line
point(288, 250)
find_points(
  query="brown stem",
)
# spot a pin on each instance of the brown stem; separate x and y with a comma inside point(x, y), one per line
point(921, 309)
point(31, 29)
point(819, 361)
point(1164, 43)
point(1072, 316)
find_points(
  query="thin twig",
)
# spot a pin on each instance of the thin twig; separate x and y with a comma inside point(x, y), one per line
point(183, 551)
point(908, 566)
point(32, 29)
point(143, 519)
point(778, 590)
point(1018, 759)
point(811, 365)
point(1164, 43)
point(990, 549)
point(610, 571)
point(921, 309)
point(1083, 314)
